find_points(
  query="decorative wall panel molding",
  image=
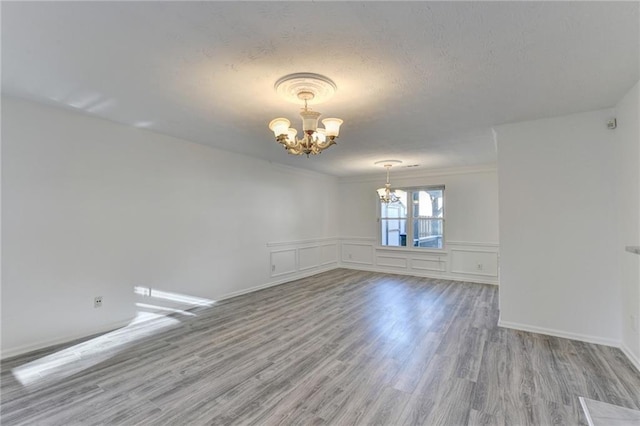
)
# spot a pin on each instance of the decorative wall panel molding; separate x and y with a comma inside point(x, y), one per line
point(283, 262)
point(294, 257)
point(474, 262)
point(329, 254)
point(459, 260)
point(308, 258)
point(392, 261)
point(429, 265)
point(358, 252)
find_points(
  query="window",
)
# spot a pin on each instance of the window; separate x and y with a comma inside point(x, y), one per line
point(417, 219)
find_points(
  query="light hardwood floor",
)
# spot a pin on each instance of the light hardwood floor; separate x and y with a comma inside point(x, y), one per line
point(341, 348)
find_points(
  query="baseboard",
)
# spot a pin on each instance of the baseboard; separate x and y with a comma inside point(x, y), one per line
point(558, 333)
point(4, 354)
point(413, 273)
point(287, 279)
point(43, 344)
point(631, 356)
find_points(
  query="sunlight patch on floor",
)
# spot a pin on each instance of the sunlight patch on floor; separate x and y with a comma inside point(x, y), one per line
point(158, 314)
point(162, 309)
point(67, 362)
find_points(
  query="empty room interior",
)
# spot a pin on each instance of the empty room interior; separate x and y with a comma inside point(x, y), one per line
point(320, 213)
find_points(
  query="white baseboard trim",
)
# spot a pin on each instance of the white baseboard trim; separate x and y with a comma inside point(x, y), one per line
point(558, 333)
point(11, 352)
point(20, 350)
point(413, 273)
point(290, 277)
point(635, 360)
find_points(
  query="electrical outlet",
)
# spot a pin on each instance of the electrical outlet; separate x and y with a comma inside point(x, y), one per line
point(97, 302)
point(479, 266)
point(273, 268)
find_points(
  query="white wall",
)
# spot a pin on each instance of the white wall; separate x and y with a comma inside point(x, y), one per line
point(559, 252)
point(93, 208)
point(627, 201)
point(471, 225)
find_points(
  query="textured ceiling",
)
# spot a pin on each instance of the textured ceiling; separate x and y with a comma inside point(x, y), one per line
point(422, 82)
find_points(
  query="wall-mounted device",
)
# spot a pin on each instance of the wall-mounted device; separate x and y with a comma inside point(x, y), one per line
point(612, 124)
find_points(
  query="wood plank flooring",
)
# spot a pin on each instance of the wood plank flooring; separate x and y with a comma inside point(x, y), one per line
point(340, 348)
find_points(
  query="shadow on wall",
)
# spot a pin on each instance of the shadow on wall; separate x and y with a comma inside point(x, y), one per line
point(157, 311)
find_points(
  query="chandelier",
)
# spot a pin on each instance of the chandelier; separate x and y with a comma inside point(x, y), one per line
point(386, 194)
point(307, 88)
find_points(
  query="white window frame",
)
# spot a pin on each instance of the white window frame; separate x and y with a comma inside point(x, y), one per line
point(410, 217)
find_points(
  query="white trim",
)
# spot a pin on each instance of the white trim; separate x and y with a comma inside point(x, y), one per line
point(317, 260)
point(415, 273)
point(335, 246)
point(470, 243)
point(309, 267)
point(107, 328)
point(272, 264)
point(356, 262)
point(632, 357)
point(357, 244)
point(441, 263)
point(409, 250)
point(342, 253)
point(473, 274)
point(43, 344)
point(389, 265)
point(558, 333)
point(299, 242)
point(484, 274)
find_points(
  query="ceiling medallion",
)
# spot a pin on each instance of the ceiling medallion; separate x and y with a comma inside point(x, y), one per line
point(386, 194)
point(307, 88)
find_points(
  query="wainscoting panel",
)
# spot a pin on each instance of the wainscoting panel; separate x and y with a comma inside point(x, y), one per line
point(459, 260)
point(329, 254)
point(360, 253)
point(474, 261)
point(293, 259)
point(392, 261)
point(283, 262)
point(429, 264)
point(308, 258)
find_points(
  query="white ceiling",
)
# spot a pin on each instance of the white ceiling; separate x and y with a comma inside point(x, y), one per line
point(422, 82)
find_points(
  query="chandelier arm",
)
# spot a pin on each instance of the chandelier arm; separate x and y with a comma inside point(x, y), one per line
point(326, 144)
point(289, 144)
point(294, 151)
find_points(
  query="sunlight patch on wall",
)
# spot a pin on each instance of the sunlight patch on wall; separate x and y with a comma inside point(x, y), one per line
point(175, 297)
